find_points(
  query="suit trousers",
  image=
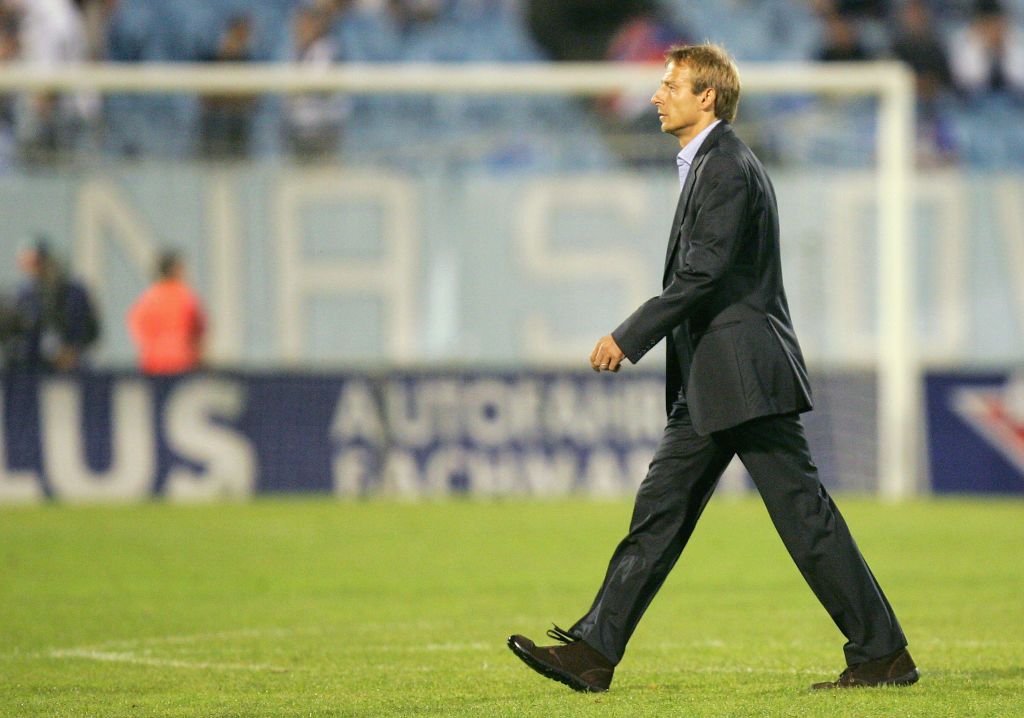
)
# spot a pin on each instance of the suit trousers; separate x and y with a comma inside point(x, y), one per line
point(670, 500)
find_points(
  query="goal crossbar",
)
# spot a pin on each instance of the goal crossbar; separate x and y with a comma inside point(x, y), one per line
point(868, 78)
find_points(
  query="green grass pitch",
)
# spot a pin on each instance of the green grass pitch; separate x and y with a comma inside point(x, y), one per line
point(314, 607)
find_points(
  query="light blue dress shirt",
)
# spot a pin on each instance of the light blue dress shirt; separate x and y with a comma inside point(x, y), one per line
point(685, 157)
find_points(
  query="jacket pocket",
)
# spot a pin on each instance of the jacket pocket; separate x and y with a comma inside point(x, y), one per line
point(696, 336)
point(723, 325)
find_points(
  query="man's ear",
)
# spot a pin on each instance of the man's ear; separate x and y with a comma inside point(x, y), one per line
point(710, 95)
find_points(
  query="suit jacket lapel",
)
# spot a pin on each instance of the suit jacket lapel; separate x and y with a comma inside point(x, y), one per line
point(687, 192)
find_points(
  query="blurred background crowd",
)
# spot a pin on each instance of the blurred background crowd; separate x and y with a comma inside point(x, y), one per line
point(968, 56)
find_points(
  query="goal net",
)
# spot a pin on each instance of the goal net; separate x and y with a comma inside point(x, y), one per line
point(476, 216)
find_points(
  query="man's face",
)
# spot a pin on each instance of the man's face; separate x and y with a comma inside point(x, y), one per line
point(28, 262)
point(678, 108)
point(992, 29)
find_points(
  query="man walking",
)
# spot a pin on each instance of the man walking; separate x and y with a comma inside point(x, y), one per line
point(736, 385)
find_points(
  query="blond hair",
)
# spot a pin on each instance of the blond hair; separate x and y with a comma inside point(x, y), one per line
point(710, 66)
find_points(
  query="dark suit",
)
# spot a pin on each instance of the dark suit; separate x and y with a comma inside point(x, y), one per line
point(736, 383)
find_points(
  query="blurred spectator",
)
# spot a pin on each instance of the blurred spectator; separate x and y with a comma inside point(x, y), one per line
point(581, 30)
point(10, 45)
point(96, 18)
point(9, 51)
point(133, 33)
point(409, 13)
point(917, 43)
point(841, 41)
point(226, 120)
point(862, 8)
point(314, 121)
point(988, 55)
point(51, 34)
point(9, 24)
point(642, 38)
point(167, 322)
point(58, 317)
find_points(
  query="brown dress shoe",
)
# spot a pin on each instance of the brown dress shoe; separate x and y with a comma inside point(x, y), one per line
point(896, 669)
point(575, 664)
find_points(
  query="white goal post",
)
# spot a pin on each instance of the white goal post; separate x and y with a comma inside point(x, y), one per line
point(899, 409)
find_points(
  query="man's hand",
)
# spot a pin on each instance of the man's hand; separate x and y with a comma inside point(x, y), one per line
point(606, 355)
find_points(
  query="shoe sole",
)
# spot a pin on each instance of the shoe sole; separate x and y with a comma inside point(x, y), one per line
point(907, 679)
point(550, 671)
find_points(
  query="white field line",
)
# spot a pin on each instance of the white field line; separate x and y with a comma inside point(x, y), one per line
point(513, 666)
point(749, 670)
point(207, 637)
point(128, 650)
point(928, 641)
point(434, 647)
point(128, 657)
point(965, 643)
point(101, 651)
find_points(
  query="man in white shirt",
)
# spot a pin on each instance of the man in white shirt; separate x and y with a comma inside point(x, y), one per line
point(52, 34)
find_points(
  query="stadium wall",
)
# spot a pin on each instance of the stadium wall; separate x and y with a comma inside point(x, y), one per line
point(331, 267)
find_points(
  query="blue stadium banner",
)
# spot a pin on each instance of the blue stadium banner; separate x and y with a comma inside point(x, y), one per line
point(124, 437)
point(976, 431)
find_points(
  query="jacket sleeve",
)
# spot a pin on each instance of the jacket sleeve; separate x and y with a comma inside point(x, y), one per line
point(721, 202)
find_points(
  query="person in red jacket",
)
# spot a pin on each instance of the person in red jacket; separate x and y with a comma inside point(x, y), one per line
point(167, 321)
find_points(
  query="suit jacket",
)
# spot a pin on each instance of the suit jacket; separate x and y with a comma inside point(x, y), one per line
point(732, 353)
